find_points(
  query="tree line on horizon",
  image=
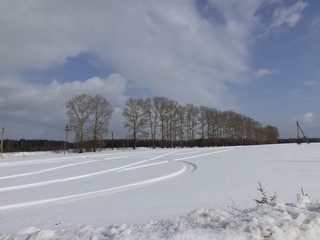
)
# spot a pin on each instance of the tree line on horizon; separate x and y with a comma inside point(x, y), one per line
point(164, 121)
point(151, 122)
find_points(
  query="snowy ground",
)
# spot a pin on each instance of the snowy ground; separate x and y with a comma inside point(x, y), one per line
point(147, 194)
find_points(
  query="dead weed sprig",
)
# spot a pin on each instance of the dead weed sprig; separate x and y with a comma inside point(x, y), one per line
point(265, 199)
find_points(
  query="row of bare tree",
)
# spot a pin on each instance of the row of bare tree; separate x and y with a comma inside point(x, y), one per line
point(160, 118)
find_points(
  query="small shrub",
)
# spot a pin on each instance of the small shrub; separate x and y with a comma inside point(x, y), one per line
point(264, 197)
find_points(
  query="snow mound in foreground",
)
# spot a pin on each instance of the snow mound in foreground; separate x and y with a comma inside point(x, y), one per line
point(300, 220)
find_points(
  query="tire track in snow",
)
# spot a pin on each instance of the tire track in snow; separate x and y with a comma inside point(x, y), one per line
point(59, 167)
point(143, 166)
point(187, 168)
point(189, 152)
point(106, 156)
point(60, 180)
point(75, 197)
point(47, 170)
point(201, 155)
point(35, 162)
point(44, 183)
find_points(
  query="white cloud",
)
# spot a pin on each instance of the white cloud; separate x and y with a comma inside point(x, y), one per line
point(289, 16)
point(306, 121)
point(39, 110)
point(263, 72)
point(280, 16)
point(314, 26)
point(308, 118)
point(159, 45)
point(311, 83)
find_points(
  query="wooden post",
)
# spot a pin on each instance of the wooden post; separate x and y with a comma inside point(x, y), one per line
point(66, 138)
point(112, 140)
point(2, 141)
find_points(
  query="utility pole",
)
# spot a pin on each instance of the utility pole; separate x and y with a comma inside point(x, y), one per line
point(298, 139)
point(2, 141)
point(299, 128)
point(66, 138)
point(112, 140)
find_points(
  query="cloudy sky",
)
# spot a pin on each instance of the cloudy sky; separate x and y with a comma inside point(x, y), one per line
point(256, 57)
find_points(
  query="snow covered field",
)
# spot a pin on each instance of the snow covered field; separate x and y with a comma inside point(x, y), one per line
point(198, 193)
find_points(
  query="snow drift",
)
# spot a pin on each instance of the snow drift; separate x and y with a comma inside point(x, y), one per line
point(300, 220)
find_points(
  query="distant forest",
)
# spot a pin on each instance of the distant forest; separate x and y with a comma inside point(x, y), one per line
point(25, 145)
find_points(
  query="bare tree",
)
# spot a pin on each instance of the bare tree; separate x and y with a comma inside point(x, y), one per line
point(135, 116)
point(101, 114)
point(271, 134)
point(192, 114)
point(161, 105)
point(79, 110)
point(171, 118)
point(212, 118)
point(181, 111)
point(152, 115)
point(203, 120)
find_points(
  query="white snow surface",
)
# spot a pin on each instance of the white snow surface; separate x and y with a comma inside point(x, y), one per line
point(189, 193)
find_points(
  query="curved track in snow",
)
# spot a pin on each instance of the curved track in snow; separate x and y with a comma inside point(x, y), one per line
point(75, 177)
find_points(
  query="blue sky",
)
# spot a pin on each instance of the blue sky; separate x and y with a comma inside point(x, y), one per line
point(258, 58)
